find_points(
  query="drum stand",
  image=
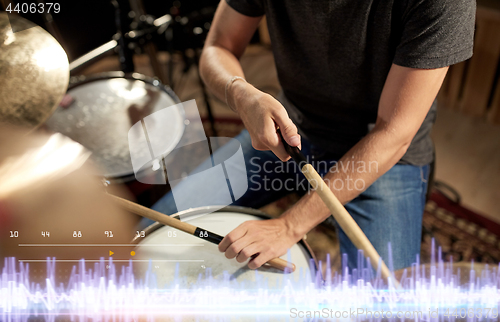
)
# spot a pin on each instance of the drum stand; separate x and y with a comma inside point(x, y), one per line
point(189, 62)
point(125, 40)
point(144, 21)
point(132, 13)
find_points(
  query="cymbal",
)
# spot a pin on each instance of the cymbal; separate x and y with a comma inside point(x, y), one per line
point(53, 205)
point(34, 72)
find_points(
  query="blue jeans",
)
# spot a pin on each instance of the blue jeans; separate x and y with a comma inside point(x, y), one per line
point(389, 211)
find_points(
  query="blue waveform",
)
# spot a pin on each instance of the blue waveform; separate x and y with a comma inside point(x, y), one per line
point(103, 294)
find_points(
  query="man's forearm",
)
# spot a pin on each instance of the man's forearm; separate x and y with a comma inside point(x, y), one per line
point(226, 41)
point(362, 165)
point(405, 101)
point(217, 65)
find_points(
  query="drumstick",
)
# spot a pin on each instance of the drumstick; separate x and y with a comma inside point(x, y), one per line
point(346, 222)
point(188, 228)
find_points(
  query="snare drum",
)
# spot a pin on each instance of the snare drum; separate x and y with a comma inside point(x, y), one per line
point(171, 250)
point(100, 110)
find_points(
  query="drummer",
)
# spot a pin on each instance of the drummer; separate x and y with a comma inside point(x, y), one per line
point(359, 85)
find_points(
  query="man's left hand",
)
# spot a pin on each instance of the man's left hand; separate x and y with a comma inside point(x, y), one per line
point(260, 240)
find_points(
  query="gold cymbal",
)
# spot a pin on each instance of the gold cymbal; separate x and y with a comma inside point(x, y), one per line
point(34, 72)
point(49, 195)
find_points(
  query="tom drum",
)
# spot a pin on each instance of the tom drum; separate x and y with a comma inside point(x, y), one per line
point(175, 253)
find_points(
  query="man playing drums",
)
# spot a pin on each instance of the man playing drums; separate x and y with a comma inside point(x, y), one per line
point(359, 82)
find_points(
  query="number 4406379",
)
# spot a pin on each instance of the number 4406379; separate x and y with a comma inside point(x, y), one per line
point(48, 7)
point(471, 312)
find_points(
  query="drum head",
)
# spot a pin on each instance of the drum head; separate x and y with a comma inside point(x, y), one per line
point(175, 253)
point(103, 109)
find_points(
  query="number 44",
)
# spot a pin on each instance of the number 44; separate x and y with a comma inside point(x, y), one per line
point(10, 10)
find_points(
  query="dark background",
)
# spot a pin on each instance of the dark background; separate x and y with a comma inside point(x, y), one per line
point(87, 24)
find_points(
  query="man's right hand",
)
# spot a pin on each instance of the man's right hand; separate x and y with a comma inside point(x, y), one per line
point(262, 114)
point(226, 41)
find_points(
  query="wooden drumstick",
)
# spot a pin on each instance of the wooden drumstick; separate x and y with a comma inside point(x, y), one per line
point(188, 228)
point(345, 220)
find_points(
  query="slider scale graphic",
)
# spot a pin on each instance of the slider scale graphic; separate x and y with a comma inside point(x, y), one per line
point(135, 249)
point(40, 249)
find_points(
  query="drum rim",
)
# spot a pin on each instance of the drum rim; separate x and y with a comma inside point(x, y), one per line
point(76, 81)
point(211, 209)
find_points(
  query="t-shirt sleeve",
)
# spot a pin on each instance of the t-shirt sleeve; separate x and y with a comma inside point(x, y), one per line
point(436, 33)
point(251, 8)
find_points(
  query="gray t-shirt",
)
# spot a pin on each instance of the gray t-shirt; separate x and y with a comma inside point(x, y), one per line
point(333, 58)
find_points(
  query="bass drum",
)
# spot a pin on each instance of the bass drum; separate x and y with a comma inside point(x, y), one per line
point(175, 253)
point(99, 111)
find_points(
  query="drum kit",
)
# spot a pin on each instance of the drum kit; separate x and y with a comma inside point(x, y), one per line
point(61, 138)
point(47, 183)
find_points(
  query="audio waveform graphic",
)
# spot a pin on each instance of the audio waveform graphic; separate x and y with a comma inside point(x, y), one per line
point(102, 293)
